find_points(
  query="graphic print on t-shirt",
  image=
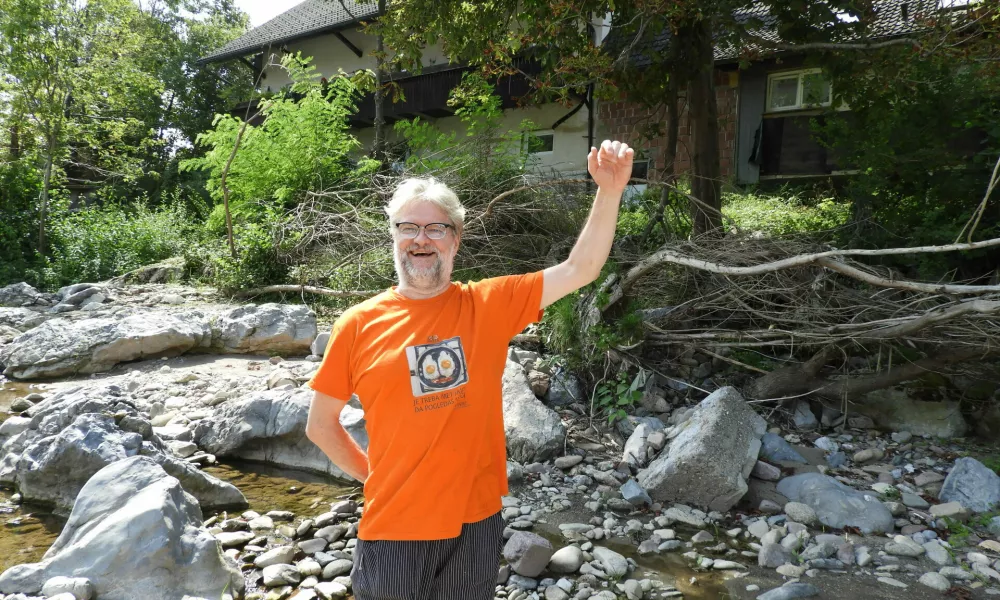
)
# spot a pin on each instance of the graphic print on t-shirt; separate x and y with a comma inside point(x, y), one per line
point(437, 367)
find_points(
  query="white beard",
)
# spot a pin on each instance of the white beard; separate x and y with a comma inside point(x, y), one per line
point(431, 277)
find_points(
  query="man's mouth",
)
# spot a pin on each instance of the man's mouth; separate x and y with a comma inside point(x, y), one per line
point(421, 253)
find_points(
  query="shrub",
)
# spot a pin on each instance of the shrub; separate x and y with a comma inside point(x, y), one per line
point(784, 214)
point(101, 242)
point(19, 185)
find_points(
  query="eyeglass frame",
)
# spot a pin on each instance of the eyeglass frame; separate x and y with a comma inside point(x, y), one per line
point(423, 228)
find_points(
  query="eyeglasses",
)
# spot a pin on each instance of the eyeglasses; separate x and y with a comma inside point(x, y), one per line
point(434, 231)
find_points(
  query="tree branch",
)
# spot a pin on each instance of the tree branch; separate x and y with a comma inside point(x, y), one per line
point(308, 289)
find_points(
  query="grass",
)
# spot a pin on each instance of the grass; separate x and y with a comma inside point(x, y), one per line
point(785, 213)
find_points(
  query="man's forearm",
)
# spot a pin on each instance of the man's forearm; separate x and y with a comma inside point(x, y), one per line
point(594, 244)
point(342, 450)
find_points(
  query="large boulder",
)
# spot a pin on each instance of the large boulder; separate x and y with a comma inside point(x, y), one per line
point(896, 410)
point(267, 328)
point(134, 533)
point(710, 456)
point(534, 431)
point(21, 319)
point(973, 484)
point(22, 294)
point(61, 347)
point(270, 426)
point(837, 505)
point(69, 437)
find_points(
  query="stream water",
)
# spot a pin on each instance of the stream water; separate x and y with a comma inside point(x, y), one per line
point(27, 531)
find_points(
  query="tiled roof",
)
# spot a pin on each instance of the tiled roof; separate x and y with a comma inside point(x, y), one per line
point(893, 18)
point(307, 19)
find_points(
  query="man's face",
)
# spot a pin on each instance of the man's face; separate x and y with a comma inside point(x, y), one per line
point(421, 262)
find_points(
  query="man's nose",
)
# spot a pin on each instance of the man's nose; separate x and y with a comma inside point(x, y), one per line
point(422, 234)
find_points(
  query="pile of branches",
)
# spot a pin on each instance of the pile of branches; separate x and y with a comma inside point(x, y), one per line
point(796, 298)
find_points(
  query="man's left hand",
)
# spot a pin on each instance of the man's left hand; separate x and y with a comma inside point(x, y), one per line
point(611, 166)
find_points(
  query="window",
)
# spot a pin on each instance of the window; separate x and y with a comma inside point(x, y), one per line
point(540, 142)
point(640, 170)
point(797, 90)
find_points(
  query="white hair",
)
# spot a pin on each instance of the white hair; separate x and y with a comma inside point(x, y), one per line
point(426, 189)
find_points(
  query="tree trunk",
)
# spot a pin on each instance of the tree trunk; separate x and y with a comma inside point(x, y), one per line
point(43, 197)
point(15, 142)
point(669, 173)
point(378, 146)
point(706, 182)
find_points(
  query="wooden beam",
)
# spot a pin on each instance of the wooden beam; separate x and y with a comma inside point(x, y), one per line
point(357, 51)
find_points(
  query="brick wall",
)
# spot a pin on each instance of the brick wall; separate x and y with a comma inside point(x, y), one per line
point(634, 123)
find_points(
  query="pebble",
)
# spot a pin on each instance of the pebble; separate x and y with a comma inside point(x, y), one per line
point(790, 591)
point(935, 581)
point(892, 582)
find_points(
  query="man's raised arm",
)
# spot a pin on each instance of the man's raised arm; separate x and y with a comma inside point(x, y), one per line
point(611, 168)
point(323, 428)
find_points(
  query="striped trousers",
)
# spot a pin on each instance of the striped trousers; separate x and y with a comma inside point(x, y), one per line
point(461, 568)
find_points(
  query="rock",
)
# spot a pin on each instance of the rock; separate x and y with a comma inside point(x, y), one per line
point(270, 426)
point(330, 589)
point(234, 539)
point(634, 494)
point(804, 418)
point(13, 426)
point(566, 560)
point(937, 553)
point(801, 513)
point(914, 501)
point(635, 447)
point(539, 383)
point(901, 437)
point(994, 526)
point(318, 346)
point(791, 571)
point(567, 462)
point(974, 485)
point(868, 455)
point(134, 533)
point(894, 409)
point(708, 462)
point(564, 389)
point(527, 553)
point(336, 568)
point(281, 575)
point(627, 426)
point(21, 294)
point(60, 347)
point(275, 556)
point(79, 588)
point(825, 443)
point(904, 546)
point(837, 505)
point(772, 556)
point(281, 379)
point(52, 469)
point(534, 431)
point(860, 422)
point(950, 510)
point(893, 582)
point(774, 448)
point(928, 478)
point(283, 329)
point(613, 564)
point(790, 591)
point(836, 460)
point(702, 537)
point(766, 472)
point(935, 581)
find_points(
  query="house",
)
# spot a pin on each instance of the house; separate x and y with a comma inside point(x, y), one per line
point(765, 110)
point(331, 32)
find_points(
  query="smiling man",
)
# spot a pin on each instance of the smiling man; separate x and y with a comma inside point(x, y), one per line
point(426, 359)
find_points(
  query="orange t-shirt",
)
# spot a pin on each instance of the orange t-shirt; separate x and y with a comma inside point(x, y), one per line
point(428, 375)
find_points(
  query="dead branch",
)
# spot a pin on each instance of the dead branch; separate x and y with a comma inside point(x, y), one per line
point(913, 286)
point(307, 289)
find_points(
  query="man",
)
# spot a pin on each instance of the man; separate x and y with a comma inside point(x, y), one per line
point(426, 359)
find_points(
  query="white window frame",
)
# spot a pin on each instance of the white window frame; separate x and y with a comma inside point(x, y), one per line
point(539, 133)
point(800, 73)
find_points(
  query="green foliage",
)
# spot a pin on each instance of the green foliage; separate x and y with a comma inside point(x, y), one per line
point(615, 396)
point(785, 213)
point(19, 185)
point(303, 144)
point(992, 463)
point(101, 242)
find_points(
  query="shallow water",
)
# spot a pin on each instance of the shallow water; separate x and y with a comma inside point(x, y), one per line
point(268, 487)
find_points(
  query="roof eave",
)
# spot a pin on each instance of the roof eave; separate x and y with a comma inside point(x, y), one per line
point(205, 60)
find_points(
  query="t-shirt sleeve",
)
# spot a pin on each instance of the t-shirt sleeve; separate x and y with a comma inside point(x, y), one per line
point(333, 377)
point(514, 300)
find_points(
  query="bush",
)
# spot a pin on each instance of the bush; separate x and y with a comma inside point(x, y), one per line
point(98, 243)
point(19, 185)
point(784, 214)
